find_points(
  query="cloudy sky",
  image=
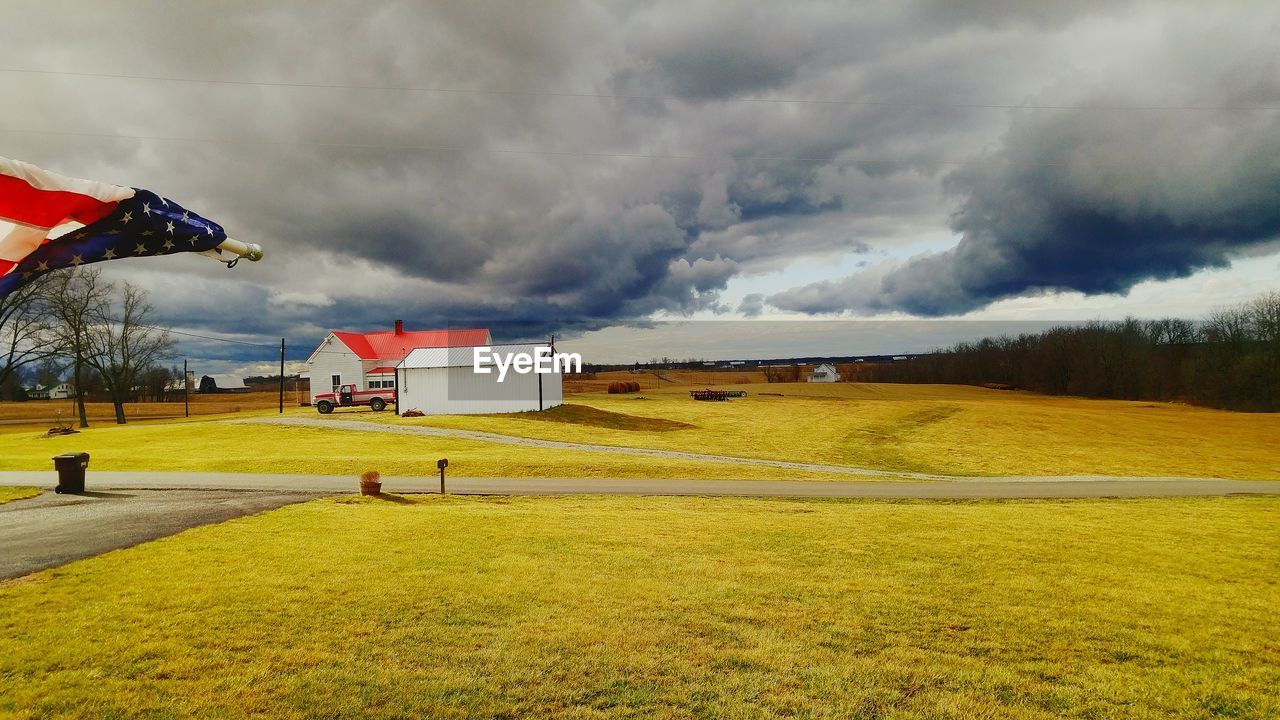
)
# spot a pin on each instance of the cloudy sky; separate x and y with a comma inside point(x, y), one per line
point(574, 166)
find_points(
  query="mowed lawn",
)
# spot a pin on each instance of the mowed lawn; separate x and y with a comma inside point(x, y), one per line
point(9, 494)
point(596, 607)
point(946, 429)
point(204, 446)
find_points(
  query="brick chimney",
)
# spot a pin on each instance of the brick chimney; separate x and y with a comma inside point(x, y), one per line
point(399, 327)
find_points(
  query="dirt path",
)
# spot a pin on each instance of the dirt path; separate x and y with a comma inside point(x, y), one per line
point(425, 430)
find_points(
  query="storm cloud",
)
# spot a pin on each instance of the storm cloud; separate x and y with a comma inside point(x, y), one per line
point(576, 165)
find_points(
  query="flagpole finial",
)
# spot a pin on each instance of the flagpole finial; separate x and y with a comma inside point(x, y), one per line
point(248, 251)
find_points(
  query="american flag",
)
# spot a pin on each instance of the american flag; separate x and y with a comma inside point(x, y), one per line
point(49, 221)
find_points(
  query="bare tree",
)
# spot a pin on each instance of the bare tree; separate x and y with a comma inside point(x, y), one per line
point(72, 299)
point(25, 329)
point(124, 342)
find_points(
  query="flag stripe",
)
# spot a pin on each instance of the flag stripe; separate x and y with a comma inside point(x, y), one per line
point(18, 241)
point(20, 202)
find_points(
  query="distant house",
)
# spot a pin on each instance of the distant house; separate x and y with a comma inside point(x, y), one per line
point(61, 391)
point(212, 384)
point(826, 372)
point(368, 360)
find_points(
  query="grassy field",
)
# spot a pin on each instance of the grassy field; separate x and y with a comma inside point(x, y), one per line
point(945, 429)
point(666, 607)
point(205, 446)
point(9, 494)
point(955, 430)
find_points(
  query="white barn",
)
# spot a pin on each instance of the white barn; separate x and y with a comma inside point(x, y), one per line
point(368, 360)
point(443, 381)
point(826, 372)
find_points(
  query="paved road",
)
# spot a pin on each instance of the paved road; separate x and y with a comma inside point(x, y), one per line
point(954, 489)
point(50, 530)
point(426, 430)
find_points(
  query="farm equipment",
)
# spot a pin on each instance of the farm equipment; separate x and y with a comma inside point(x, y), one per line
point(348, 396)
point(710, 395)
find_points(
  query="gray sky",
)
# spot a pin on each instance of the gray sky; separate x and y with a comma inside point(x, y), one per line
point(561, 165)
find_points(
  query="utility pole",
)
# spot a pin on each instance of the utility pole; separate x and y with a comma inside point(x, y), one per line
point(281, 376)
point(186, 390)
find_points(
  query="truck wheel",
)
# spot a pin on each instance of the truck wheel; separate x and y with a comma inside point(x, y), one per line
point(377, 404)
point(325, 407)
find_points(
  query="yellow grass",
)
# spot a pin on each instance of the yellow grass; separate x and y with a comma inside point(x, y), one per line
point(9, 494)
point(666, 607)
point(946, 429)
point(204, 446)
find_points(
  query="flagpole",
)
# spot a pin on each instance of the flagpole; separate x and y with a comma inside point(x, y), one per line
point(248, 251)
point(281, 376)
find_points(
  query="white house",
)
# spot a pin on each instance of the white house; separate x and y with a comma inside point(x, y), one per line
point(368, 360)
point(443, 381)
point(826, 372)
point(61, 391)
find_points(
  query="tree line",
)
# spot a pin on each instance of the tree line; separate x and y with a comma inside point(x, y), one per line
point(1230, 359)
point(97, 334)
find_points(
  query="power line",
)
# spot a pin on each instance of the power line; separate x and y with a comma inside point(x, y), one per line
point(520, 151)
point(635, 97)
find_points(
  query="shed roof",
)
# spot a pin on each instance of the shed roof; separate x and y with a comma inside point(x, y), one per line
point(443, 357)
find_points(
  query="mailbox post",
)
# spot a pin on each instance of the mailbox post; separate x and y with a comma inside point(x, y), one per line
point(442, 463)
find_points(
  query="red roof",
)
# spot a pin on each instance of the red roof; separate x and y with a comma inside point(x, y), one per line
point(388, 345)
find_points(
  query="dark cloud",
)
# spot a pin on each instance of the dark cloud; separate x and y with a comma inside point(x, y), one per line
point(1098, 201)
point(529, 200)
point(752, 305)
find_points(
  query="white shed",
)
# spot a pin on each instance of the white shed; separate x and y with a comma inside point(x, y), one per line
point(443, 381)
point(826, 372)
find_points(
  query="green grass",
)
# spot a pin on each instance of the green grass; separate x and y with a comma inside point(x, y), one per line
point(666, 607)
point(220, 447)
point(9, 494)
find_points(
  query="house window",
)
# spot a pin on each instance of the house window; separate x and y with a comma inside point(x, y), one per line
point(337, 381)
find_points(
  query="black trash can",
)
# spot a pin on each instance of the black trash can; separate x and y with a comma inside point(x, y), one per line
point(70, 467)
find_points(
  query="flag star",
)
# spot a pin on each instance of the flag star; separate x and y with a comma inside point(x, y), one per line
point(108, 255)
point(168, 244)
point(42, 267)
point(169, 227)
point(127, 217)
point(186, 216)
point(164, 202)
point(146, 209)
point(192, 240)
point(113, 232)
point(26, 275)
point(139, 249)
point(76, 260)
point(208, 229)
point(148, 233)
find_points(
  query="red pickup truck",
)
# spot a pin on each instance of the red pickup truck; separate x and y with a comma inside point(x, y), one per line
point(348, 396)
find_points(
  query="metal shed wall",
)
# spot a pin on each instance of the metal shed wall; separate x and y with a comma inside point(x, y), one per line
point(461, 391)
